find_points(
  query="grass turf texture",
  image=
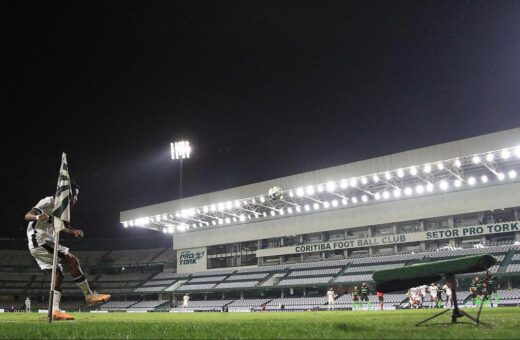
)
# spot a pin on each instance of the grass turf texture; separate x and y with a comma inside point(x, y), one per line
point(397, 324)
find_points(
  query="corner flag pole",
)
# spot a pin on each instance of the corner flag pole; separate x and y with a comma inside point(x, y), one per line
point(53, 278)
point(61, 214)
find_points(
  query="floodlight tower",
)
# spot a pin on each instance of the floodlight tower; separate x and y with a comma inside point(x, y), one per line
point(180, 150)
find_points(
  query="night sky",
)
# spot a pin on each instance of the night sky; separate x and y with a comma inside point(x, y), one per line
point(262, 89)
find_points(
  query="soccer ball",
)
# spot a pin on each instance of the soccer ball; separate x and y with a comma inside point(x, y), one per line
point(275, 193)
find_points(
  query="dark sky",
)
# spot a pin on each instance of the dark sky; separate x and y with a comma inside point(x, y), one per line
point(262, 89)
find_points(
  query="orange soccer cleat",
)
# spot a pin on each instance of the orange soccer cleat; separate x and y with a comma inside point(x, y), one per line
point(95, 298)
point(59, 315)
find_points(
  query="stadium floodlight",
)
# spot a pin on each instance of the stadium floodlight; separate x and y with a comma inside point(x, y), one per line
point(512, 174)
point(377, 196)
point(320, 188)
point(490, 157)
point(142, 221)
point(213, 207)
point(334, 203)
point(205, 209)
point(262, 199)
point(457, 163)
point(298, 208)
point(440, 166)
point(471, 181)
point(221, 206)
point(237, 204)
point(289, 210)
point(299, 192)
point(229, 205)
point(397, 193)
point(242, 218)
point(273, 213)
point(281, 212)
point(331, 186)
point(457, 183)
point(505, 154)
point(388, 175)
point(484, 179)
point(165, 230)
point(343, 184)
point(386, 195)
point(171, 229)
point(326, 204)
point(429, 187)
point(181, 227)
point(443, 185)
point(307, 207)
point(180, 150)
point(400, 173)
point(413, 171)
point(220, 221)
point(419, 189)
point(475, 159)
point(309, 190)
point(214, 222)
point(375, 178)
point(501, 176)
point(344, 201)
point(408, 191)
point(125, 224)
point(354, 199)
point(427, 168)
point(316, 206)
point(364, 198)
point(364, 180)
point(517, 151)
point(353, 182)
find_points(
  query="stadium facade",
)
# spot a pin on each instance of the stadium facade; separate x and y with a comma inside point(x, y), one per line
point(447, 196)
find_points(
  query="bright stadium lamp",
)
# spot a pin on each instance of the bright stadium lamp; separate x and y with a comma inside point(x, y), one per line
point(180, 150)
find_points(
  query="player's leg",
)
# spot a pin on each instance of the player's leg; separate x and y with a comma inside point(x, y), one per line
point(44, 257)
point(82, 282)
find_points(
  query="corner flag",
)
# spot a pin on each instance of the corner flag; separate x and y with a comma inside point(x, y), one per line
point(61, 210)
point(61, 214)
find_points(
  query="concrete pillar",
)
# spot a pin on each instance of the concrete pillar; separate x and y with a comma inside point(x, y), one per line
point(451, 224)
point(304, 292)
point(422, 244)
point(242, 295)
point(282, 241)
point(282, 294)
point(516, 214)
point(345, 253)
point(370, 251)
point(259, 244)
point(369, 232)
point(394, 228)
point(323, 256)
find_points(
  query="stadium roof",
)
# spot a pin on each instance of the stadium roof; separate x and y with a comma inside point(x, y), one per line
point(479, 162)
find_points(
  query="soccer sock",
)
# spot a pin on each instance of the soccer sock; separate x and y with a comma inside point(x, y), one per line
point(56, 300)
point(82, 283)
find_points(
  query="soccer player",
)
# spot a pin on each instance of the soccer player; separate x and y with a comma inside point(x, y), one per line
point(355, 298)
point(491, 289)
point(330, 299)
point(447, 290)
point(433, 295)
point(365, 292)
point(40, 233)
point(185, 300)
point(422, 289)
point(28, 305)
point(381, 298)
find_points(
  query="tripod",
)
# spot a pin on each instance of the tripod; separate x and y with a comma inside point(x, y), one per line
point(456, 312)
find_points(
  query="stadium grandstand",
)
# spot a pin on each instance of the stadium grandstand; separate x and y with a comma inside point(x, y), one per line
point(243, 250)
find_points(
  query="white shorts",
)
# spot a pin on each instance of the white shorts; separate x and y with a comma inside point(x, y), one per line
point(43, 255)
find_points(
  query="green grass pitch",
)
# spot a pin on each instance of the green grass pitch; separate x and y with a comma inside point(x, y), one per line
point(397, 324)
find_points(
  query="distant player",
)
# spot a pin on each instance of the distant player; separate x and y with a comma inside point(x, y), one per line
point(355, 298)
point(381, 298)
point(433, 289)
point(330, 299)
point(27, 304)
point(491, 289)
point(185, 300)
point(40, 233)
point(365, 292)
point(447, 290)
point(422, 290)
